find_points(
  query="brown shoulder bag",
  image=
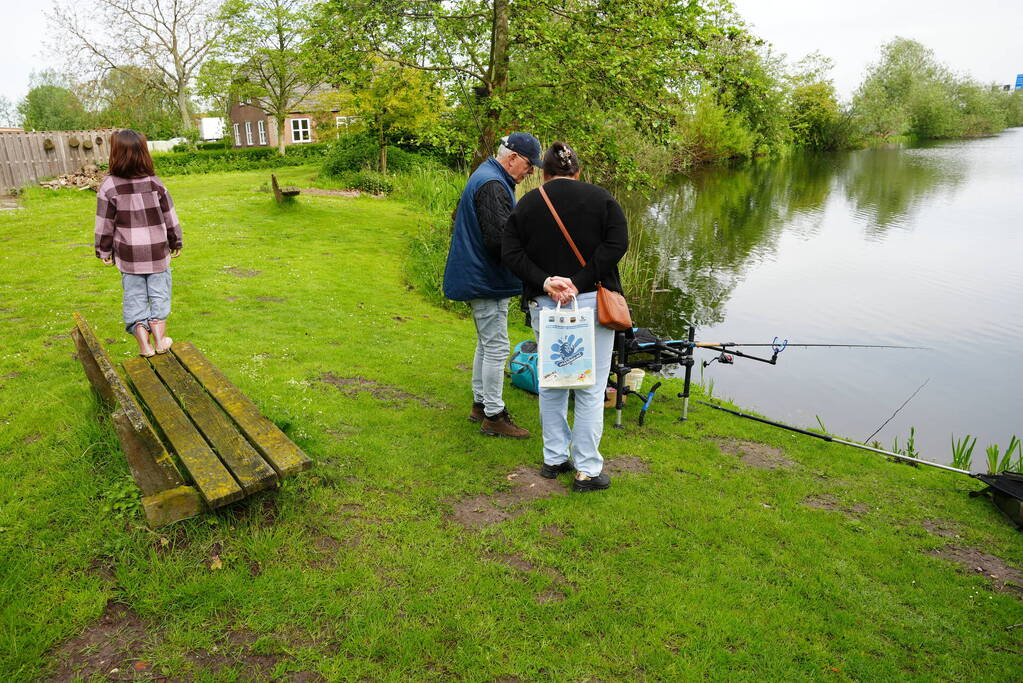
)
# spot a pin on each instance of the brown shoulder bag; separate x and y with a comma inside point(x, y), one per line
point(612, 309)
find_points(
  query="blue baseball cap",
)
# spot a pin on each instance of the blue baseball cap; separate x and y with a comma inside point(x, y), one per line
point(525, 145)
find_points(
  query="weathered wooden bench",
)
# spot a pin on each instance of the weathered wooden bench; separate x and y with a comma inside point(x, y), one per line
point(192, 439)
point(283, 194)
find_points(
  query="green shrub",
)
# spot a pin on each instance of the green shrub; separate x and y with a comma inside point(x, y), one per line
point(400, 160)
point(243, 159)
point(360, 151)
point(370, 181)
point(350, 153)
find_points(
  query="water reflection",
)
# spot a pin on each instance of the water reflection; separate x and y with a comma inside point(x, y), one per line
point(695, 240)
point(885, 185)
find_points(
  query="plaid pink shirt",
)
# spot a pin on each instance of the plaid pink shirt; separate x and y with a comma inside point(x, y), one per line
point(136, 222)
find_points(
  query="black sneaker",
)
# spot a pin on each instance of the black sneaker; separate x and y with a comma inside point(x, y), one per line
point(582, 483)
point(552, 471)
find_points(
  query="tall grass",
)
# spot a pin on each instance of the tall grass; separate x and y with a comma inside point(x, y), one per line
point(962, 451)
point(434, 192)
point(1002, 462)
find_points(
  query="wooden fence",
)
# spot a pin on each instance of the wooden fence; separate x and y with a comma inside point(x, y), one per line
point(24, 157)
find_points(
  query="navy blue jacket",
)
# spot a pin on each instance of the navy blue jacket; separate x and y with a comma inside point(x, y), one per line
point(470, 273)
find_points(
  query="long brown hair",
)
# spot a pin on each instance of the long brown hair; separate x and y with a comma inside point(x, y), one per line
point(129, 155)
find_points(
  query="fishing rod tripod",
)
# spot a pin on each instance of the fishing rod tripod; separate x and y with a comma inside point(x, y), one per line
point(638, 349)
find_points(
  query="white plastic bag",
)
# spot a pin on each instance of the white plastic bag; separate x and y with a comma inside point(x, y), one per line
point(565, 354)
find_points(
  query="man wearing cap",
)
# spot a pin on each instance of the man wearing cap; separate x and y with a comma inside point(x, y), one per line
point(474, 273)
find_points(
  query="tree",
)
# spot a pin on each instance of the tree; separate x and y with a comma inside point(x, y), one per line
point(599, 58)
point(8, 114)
point(393, 100)
point(132, 97)
point(51, 104)
point(217, 84)
point(169, 37)
point(264, 39)
point(815, 115)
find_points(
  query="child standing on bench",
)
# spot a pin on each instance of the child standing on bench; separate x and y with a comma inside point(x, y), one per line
point(138, 231)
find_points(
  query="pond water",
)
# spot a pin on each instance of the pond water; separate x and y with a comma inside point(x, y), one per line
point(916, 247)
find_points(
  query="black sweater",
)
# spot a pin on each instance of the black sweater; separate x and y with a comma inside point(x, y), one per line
point(534, 248)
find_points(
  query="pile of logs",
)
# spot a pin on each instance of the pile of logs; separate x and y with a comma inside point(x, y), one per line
point(88, 177)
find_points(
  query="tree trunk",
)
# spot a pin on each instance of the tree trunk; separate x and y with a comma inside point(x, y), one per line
point(383, 151)
point(497, 80)
point(186, 115)
point(280, 134)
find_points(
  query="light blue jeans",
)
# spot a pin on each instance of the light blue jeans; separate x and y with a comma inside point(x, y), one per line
point(581, 441)
point(146, 297)
point(492, 350)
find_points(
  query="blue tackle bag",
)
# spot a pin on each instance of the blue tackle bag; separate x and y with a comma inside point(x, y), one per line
point(523, 367)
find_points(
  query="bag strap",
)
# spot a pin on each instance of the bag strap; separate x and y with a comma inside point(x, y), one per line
point(564, 230)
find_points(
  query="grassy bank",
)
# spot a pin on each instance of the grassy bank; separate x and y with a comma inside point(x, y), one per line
point(413, 549)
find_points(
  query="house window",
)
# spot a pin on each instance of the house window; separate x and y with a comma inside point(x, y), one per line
point(262, 132)
point(344, 121)
point(300, 130)
point(248, 132)
point(237, 136)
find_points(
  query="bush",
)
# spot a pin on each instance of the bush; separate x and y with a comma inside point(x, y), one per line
point(712, 134)
point(370, 181)
point(243, 159)
point(351, 153)
point(360, 151)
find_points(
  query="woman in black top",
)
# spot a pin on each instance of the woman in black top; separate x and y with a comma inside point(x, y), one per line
point(536, 251)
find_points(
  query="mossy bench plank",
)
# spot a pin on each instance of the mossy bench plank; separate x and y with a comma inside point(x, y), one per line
point(280, 451)
point(165, 497)
point(151, 465)
point(247, 466)
point(224, 446)
point(214, 481)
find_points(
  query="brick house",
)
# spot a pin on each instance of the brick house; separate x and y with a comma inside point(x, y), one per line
point(253, 127)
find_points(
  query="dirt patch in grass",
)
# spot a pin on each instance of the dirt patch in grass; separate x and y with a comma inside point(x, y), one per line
point(513, 560)
point(241, 272)
point(1004, 578)
point(318, 192)
point(107, 648)
point(324, 549)
point(756, 454)
point(526, 485)
point(550, 596)
point(353, 386)
point(254, 656)
point(271, 299)
point(31, 438)
point(56, 338)
point(553, 531)
point(625, 464)
point(826, 501)
point(941, 527)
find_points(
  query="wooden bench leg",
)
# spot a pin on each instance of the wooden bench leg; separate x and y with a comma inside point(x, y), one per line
point(172, 505)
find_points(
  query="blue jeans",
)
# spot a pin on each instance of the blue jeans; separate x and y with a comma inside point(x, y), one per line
point(146, 297)
point(492, 350)
point(581, 441)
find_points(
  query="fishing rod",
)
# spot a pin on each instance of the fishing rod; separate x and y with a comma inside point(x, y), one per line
point(826, 437)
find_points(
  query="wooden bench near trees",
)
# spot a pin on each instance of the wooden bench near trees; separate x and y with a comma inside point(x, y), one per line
point(192, 439)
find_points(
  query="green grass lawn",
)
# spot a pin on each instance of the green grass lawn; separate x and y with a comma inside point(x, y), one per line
point(694, 564)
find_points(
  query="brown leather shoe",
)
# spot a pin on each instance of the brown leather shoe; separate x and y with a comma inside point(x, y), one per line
point(502, 425)
point(477, 414)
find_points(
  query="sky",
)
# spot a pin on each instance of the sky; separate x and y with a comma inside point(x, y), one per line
point(980, 37)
